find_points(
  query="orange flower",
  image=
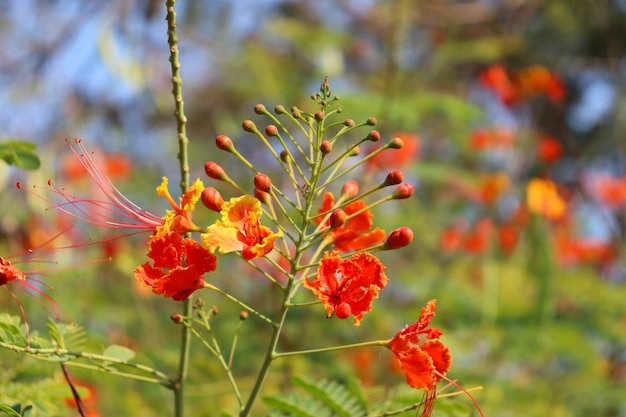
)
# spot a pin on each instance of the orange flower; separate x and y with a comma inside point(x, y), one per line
point(179, 266)
point(423, 357)
point(543, 198)
point(488, 139)
point(497, 79)
point(240, 229)
point(609, 191)
point(89, 402)
point(491, 187)
point(355, 234)
point(348, 286)
point(396, 158)
point(536, 80)
point(549, 150)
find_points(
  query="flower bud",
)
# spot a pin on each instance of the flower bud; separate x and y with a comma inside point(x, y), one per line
point(295, 112)
point(224, 143)
point(350, 189)
point(373, 136)
point(259, 109)
point(354, 151)
point(262, 196)
point(372, 121)
point(393, 178)
point(262, 182)
point(343, 310)
point(337, 219)
point(271, 130)
point(326, 147)
point(177, 318)
point(403, 191)
point(212, 199)
point(248, 126)
point(243, 315)
point(279, 109)
point(319, 116)
point(396, 143)
point(349, 123)
point(399, 238)
point(284, 156)
point(214, 170)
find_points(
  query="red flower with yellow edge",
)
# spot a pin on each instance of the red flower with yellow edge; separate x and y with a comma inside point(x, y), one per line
point(355, 234)
point(348, 286)
point(179, 266)
point(423, 357)
point(179, 219)
point(240, 229)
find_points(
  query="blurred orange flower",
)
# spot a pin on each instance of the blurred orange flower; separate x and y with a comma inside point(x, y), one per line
point(396, 158)
point(609, 191)
point(543, 198)
point(549, 149)
point(348, 286)
point(484, 139)
point(355, 234)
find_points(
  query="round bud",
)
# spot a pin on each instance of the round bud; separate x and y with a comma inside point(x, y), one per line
point(403, 191)
point(319, 116)
point(271, 130)
point(212, 199)
point(279, 109)
point(248, 126)
point(214, 170)
point(326, 147)
point(349, 123)
point(373, 136)
point(393, 178)
point(343, 310)
point(350, 189)
point(224, 143)
point(177, 318)
point(284, 156)
point(399, 238)
point(262, 182)
point(262, 196)
point(259, 109)
point(372, 121)
point(337, 219)
point(355, 151)
point(396, 143)
point(243, 315)
point(295, 112)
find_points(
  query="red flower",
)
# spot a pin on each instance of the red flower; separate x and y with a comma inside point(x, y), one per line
point(355, 234)
point(423, 357)
point(549, 149)
point(179, 266)
point(348, 286)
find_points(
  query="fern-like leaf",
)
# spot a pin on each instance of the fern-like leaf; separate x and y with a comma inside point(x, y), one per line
point(294, 405)
point(334, 395)
point(67, 336)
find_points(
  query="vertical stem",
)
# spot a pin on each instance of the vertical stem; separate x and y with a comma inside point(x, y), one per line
point(183, 143)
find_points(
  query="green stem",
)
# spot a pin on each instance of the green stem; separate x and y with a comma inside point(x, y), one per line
point(333, 348)
point(183, 144)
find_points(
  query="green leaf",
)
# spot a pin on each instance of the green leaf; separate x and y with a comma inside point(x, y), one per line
point(119, 352)
point(297, 406)
point(67, 336)
point(10, 411)
point(333, 394)
point(20, 154)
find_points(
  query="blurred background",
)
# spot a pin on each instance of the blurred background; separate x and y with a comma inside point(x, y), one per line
point(490, 97)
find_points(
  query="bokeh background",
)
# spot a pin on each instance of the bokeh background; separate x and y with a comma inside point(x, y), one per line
point(488, 96)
